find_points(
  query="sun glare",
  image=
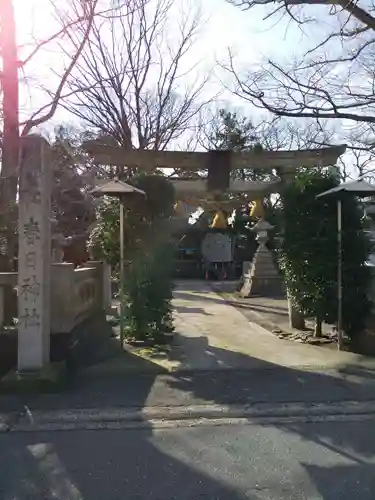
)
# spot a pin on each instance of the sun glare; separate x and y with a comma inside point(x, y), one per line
point(33, 19)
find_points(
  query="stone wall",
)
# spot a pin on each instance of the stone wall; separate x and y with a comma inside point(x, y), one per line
point(371, 268)
point(76, 294)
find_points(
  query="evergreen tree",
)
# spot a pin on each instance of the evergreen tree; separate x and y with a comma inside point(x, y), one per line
point(73, 207)
point(237, 133)
point(308, 255)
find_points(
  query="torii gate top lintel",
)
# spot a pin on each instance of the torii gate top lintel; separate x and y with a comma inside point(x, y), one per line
point(149, 160)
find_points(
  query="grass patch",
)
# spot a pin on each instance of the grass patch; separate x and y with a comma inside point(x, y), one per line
point(157, 351)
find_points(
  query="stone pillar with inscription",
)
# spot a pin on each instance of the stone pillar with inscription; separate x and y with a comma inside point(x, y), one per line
point(34, 254)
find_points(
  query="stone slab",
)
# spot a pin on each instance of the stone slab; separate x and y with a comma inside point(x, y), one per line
point(52, 377)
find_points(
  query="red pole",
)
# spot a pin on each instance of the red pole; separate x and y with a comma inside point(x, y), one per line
point(9, 80)
point(10, 111)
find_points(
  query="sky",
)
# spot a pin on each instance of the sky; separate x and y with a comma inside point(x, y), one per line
point(249, 36)
point(223, 27)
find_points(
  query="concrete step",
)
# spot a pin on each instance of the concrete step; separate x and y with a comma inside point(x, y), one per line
point(95, 418)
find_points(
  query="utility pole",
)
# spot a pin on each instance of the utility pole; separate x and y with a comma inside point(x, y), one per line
point(10, 112)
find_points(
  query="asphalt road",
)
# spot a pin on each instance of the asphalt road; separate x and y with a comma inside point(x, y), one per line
point(327, 460)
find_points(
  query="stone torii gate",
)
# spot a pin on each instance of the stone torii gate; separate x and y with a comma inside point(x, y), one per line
point(34, 272)
point(261, 276)
point(149, 160)
point(284, 162)
point(193, 188)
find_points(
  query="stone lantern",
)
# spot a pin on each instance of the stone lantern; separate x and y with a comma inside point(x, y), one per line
point(261, 276)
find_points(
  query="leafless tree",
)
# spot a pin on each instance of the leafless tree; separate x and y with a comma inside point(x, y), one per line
point(79, 14)
point(74, 20)
point(130, 82)
point(333, 79)
point(352, 9)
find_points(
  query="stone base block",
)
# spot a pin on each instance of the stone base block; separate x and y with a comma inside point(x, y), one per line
point(51, 378)
point(263, 287)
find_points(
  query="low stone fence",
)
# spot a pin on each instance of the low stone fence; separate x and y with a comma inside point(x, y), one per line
point(7, 280)
point(76, 294)
point(372, 287)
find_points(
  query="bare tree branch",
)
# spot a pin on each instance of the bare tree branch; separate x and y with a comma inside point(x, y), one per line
point(295, 92)
point(333, 79)
point(350, 6)
point(130, 81)
point(68, 26)
point(41, 44)
point(88, 16)
point(316, 85)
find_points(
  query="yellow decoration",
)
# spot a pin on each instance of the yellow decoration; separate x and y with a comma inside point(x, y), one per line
point(219, 220)
point(257, 210)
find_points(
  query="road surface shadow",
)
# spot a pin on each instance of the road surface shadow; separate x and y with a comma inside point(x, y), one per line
point(343, 481)
point(240, 380)
point(190, 310)
point(271, 383)
point(199, 295)
point(97, 465)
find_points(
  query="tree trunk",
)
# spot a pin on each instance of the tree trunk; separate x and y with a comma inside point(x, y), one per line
point(318, 328)
point(10, 108)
